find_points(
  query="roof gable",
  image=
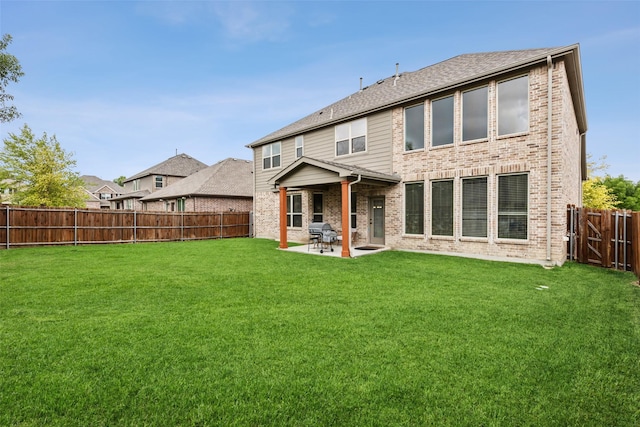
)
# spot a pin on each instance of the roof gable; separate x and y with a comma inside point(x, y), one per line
point(181, 165)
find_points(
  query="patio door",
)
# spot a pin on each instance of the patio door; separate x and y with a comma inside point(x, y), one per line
point(376, 220)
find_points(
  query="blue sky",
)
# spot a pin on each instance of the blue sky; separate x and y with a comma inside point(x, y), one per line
point(124, 84)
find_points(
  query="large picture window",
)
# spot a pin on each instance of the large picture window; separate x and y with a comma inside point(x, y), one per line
point(474, 207)
point(513, 106)
point(442, 208)
point(513, 206)
point(414, 208)
point(414, 127)
point(442, 121)
point(351, 137)
point(294, 210)
point(271, 156)
point(475, 107)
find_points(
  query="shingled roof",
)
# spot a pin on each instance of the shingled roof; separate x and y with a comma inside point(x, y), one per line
point(227, 178)
point(94, 183)
point(180, 165)
point(407, 86)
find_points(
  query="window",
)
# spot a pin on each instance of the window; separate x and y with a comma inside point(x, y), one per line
point(271, 156)
point(475, 107)
point(513, 106)
point(351, 137)
point(354, 210)
point(128, 204)
point(181, 205)
point(136, 184)
point(414, 127)
point(299, 146)
point(474, 207)
point(105, 196)
point(294, 210)
point(442, 208)
point(414, 208)
point(318, 207)
point(513, 205)
point(442, 121)
point(158, 180)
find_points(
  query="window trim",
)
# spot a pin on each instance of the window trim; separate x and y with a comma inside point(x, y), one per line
point(156, 181)
point(487, 208)
point(351, 137)
point(404, 217)
point(524, 132)
point(453, 124)
point(486, 137)
point(528, 213)
point(291, 213)
point(453, 208)
point(298, 144)
point(404, 112)
point(271, 156)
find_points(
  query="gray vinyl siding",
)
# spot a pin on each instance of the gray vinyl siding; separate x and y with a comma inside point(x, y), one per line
point(320, 144)
point(309, 176)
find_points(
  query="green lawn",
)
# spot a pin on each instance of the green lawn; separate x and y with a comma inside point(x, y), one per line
point(235, 332)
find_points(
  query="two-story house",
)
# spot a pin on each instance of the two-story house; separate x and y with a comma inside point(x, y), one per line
point(154, 179)
point(100, 191)
point(224, 186)
point(476, 155)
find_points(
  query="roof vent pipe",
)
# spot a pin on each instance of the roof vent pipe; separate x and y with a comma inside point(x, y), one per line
point(397, 75)
point(360, 84)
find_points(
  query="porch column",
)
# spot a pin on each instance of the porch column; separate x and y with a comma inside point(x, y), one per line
point(346, 223)
point(283, 218)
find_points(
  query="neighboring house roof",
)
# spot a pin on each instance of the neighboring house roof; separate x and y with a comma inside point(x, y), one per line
point(227, 178)
point(133, 195)
point(342, 170)
point(95, 184)
point(457, 71)
point(180, 165)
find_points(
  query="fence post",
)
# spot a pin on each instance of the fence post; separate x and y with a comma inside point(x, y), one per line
point(606, 238)
point(135, 230)
point(221, 222)
point(635, 243)
point(8, 211)
point(75, 227)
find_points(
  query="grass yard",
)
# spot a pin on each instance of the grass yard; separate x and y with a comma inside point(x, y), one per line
point(235, 332)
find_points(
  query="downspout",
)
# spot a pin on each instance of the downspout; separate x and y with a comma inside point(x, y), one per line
point(350, 239)
point(549, 150)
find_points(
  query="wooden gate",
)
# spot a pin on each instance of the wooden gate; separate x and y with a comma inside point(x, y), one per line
point(606, 238)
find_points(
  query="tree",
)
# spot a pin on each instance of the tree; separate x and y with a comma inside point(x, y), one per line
point(39, 171)
point(594, 193)
point(10, 71)
point(120, 180)
point(626, 192)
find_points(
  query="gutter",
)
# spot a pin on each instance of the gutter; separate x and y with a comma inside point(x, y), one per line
point(549, 148)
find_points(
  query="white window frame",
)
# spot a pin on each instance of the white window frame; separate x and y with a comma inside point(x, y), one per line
point(423, 127)
point(290, 210)
point(453, 124)
point(351, 135)
point(499, 213)
point(156, 181)
point(299, 146)
point(519, 132)
point(486, 136)
point(267, 153)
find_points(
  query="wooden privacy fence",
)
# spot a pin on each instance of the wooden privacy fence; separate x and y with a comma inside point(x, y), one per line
point(25, 226)
point(606, 238)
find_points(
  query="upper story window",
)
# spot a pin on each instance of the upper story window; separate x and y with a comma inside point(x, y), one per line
point(475, 108)
point(271, 155)
point(351, 137)
point(158, 181)
point(299, 146)
point(414, 127)
point(136, 184)
point(513, 106)
point(442, 121)
point(105, 196)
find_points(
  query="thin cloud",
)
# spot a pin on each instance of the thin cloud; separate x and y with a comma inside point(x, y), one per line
point(251, 22)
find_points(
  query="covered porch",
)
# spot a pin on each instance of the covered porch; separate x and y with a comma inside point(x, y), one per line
point(311, 177)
